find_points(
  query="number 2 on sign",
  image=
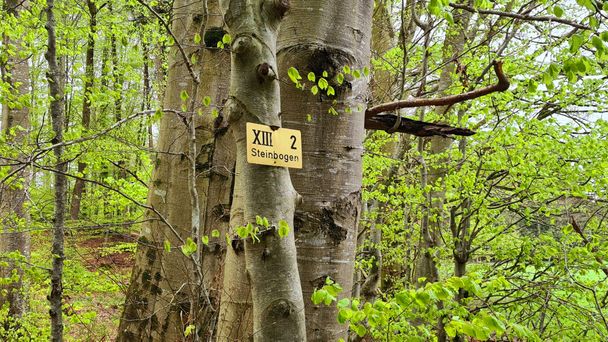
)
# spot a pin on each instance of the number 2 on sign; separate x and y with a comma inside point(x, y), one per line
point(293, 142)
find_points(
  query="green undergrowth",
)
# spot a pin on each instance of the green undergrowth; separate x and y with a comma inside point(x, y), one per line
point(96, 271)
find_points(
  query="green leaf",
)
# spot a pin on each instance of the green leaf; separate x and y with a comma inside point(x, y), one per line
point(197, 38)
point(226, 39)
point(330, 91)
point(184, 95)
point(494, 324)
point(242, 232)
point(343, 303)
point(358, 316)
point(366, 71)
point(587, 4)
point(356, 74)
point(189, 247)
point(215, 113)
point(167, 246)
point(323, 84)
point(344, 315)
point(559, 12)
point(205, 240)
point(314, 90)
point(308, 118)
point(311, 76)
point(360, 330)
point(340, 78)
point(318, 296)
point(434, 7)
point(206, 101)
point(215, 233)
point(335, 289)
point(576, 41)
point(294, 75)
point(283, 228)
point(189, 330)
point(325, 74)
point(422, 298)
point(604, 35)
point(402, 298)
point(597, 43)
point(450, 329)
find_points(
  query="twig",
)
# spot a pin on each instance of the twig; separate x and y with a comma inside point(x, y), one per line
point(521, 16)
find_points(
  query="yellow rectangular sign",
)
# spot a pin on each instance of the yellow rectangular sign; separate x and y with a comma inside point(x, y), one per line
point(279, 147)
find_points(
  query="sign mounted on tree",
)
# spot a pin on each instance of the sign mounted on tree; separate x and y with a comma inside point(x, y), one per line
point(275, 147)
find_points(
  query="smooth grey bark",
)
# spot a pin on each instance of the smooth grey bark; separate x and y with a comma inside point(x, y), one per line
point(278, 308)
point(89, 76)
point(165, 291)
point(54, 78)
point(14, 217)
point(236, 308)
point(318, 36)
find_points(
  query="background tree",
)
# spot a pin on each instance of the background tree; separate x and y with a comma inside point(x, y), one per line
point(178, 272)
point(14, 218)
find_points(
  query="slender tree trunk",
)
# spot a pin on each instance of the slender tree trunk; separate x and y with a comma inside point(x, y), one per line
point(165, 295)
point(79, 186)
point(434, 219)
point(452, 48)
point(278, 308)
point(54, 77)
point(117, 87)
point(14, 217)
point(325, 36)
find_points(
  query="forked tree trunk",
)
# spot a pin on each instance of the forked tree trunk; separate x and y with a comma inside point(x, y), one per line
point(55, 77)
point(163, 286)
point(89, 76)
point(14, 192)
point(278, 309)
point(318, 36)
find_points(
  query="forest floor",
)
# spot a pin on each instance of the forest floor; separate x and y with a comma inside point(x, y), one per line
point(96, 274)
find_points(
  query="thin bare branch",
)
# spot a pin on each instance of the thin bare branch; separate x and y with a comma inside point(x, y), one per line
point(519, 16)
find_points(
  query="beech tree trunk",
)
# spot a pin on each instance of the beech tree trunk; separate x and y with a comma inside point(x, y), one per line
point(54, 78)
point(278, 308)
point(89, 76)
point(320, 36)
point(163, 293)
point(14, 218)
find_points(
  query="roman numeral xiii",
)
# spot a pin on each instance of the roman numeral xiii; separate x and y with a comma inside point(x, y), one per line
point(263, 138)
